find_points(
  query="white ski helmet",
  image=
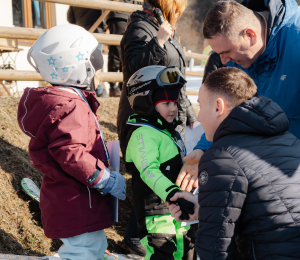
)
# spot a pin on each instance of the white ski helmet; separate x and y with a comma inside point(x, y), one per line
point(62, 55)
point(141, 85)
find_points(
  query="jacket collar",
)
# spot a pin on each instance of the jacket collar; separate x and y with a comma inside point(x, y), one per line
point(157, 121)
point(141, 15)
point(90, 96)
point(280, 12)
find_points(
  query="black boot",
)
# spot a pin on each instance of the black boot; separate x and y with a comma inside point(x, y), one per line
point(131, 237)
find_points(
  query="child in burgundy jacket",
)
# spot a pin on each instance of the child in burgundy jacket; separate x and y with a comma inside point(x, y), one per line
point(67, 143)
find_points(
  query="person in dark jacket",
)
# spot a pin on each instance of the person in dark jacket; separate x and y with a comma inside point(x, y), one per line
point(249, 179)
point(145, 43)
point(116, 23)
point(67, 144)
point(85, 17)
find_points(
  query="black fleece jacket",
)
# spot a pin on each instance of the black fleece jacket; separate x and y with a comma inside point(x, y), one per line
point(249, 187)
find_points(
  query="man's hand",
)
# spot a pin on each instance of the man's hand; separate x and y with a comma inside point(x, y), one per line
point(186, 207)
point(191, 125)
point(194, 157)
point(175, 210)
point(188, 176)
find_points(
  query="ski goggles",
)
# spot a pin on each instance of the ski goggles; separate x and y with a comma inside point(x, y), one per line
point(169, 77)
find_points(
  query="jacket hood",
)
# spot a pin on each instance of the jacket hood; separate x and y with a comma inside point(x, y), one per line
point(142, 16)
point(36, 104)
point(256, 116)
point(280, 12)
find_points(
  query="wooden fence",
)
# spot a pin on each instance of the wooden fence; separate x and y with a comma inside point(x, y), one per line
point(108, 39)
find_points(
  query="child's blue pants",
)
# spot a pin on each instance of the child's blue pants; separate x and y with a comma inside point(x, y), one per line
point(89, 246)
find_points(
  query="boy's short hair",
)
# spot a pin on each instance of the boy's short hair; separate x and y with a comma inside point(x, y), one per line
point(231, 83)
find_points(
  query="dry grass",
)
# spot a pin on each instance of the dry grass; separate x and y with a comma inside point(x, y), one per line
point(21, 229)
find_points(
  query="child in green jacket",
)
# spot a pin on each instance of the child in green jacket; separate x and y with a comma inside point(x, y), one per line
point(154, 158)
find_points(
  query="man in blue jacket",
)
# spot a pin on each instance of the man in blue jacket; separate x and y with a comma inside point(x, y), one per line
point(263, 39)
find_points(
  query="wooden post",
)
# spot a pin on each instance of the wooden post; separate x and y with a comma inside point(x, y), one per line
point(6, 91)
point(28, 13)
point(48, 15)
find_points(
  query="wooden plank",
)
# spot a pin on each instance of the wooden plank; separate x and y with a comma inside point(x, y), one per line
point(23, 75)
point(99, 4)
point(192, 93)
point(196, 56)
point(194, 73)
point(34, 34)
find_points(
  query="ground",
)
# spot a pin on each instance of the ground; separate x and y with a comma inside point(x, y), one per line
point(21, 229)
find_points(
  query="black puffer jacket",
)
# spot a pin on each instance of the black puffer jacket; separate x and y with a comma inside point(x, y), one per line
point(140, 48)
point(249, 183)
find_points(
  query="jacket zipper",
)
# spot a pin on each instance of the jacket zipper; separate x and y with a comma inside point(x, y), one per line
point(89, 197)
point(253, 251)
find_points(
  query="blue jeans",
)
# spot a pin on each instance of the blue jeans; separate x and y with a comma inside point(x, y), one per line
point(89, 246)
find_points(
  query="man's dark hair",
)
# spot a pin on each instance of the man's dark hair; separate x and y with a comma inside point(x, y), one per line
point(225, 18)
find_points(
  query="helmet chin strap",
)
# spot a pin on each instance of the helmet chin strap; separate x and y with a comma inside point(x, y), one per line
point(91, 86)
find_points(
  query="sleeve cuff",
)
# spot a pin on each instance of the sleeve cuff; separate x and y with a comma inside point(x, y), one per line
point(203, 144)
point(168, 191)
point(104, 180)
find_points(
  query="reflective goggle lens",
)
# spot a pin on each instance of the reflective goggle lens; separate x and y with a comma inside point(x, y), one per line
point(170, 76)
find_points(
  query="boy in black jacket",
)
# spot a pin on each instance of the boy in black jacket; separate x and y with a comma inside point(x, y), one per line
point(249, 179)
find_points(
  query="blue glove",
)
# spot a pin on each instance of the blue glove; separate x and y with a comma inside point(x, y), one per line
point(113, 183)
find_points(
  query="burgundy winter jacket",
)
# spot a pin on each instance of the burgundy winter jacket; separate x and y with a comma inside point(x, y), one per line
point(66, 146)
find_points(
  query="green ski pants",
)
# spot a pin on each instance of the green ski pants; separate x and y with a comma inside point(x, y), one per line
point(167, 240)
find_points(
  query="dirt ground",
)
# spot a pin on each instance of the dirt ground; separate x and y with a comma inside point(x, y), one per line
point(21, 230)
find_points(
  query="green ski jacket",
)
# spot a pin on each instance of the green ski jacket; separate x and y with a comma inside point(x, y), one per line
point(154, 158)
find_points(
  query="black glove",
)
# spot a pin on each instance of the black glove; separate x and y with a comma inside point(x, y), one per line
point(186, 206)
point(212, 64)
